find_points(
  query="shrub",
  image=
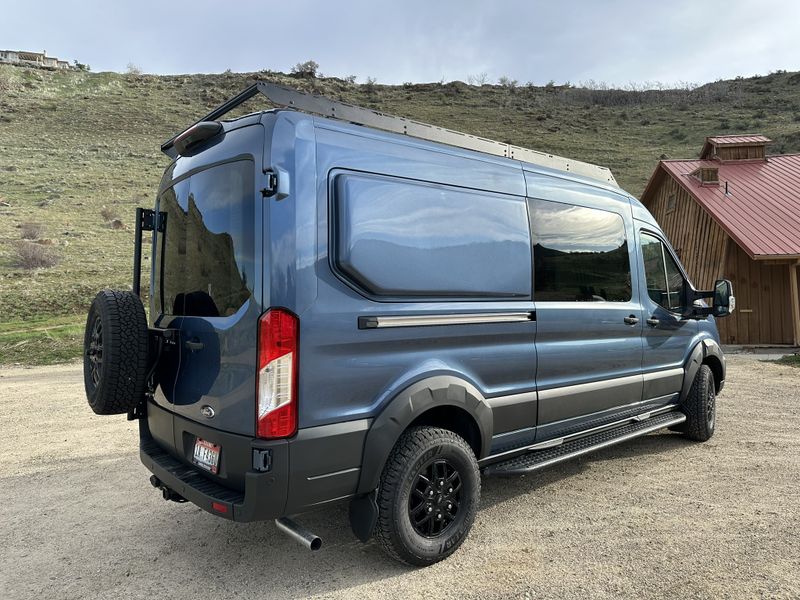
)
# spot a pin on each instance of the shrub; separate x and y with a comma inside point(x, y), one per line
point(35, 256)
point(107, 214)
point(306, 69)
point(116, 224)
point(31, 231)
point(508, 83)
point(369, 85)
point(133, 69)
point(677, 134)
point(479, 79)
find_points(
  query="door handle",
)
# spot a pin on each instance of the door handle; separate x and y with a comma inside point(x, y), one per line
point(631, 320)
point(653, 322)
point(194, 345)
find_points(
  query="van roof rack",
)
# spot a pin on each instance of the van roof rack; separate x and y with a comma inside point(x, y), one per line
point(319, 105)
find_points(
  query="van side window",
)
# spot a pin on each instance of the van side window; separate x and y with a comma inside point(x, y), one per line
point(398, 238)
point(664, 279)
point(580, 254)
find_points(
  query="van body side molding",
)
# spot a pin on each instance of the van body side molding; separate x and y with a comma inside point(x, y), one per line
point(444, 319)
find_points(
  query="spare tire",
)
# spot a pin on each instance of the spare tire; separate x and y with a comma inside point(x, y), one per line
point(115, 349)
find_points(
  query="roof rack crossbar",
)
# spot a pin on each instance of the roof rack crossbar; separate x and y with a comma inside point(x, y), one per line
point(319, 105)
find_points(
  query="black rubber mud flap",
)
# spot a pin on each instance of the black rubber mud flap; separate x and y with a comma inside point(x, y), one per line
point(115, 352)
point(364, 515)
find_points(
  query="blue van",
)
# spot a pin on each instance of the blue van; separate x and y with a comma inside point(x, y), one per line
point(346, 305)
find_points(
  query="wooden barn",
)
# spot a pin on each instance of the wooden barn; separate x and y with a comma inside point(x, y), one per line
point(735, 213)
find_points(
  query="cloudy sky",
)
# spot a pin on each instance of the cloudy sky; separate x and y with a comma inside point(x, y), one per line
point(614, 41)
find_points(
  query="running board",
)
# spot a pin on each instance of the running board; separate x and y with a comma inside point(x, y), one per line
point(544, 457)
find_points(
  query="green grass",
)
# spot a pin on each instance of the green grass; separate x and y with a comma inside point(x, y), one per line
point(41, 341)
point(72, 143)
point(791, 360)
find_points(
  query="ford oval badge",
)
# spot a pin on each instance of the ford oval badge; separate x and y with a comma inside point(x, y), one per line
point(207, 411)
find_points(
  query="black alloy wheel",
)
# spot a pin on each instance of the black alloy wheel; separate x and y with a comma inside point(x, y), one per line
point(94, 351)
point(435, 498)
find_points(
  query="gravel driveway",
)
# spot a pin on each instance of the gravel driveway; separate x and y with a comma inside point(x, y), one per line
point(658, 517)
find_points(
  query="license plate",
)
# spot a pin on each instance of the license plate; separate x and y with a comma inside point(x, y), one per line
point(206, 455)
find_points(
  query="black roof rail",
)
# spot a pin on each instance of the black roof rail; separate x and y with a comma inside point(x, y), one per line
point(319, 105)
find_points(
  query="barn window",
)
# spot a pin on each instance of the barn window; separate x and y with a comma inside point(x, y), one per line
point(671, 203)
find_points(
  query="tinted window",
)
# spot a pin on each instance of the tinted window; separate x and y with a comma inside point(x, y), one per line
point(205, 265)
point(664, 279)
point(580, 254)
point(395, 237)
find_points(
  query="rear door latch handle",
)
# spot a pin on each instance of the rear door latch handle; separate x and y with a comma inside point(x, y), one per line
point(194, 345)
point(653, 322)
point(631, 320)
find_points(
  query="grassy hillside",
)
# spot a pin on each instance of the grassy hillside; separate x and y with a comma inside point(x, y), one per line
point(78, 150)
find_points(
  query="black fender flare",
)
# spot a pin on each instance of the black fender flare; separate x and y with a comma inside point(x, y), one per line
point(419, 397)
point(704, 350)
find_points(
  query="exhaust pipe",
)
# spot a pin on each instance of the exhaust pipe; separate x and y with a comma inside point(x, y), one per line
point(299, 533)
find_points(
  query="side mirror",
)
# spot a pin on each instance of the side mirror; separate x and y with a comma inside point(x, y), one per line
point(724, 300)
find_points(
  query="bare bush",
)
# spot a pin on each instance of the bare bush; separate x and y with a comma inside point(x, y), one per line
point(31, 231)
point(133, 69)
point(308, 68)
point(369, 85)
point(108, 214)
point(479, 79)
point(508, 83)
point(116, 224)
point(35, 256)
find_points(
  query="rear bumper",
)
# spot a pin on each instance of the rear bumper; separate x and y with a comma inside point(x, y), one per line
point(325, 466)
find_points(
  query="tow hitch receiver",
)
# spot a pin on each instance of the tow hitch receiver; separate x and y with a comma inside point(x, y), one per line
point(166, 493)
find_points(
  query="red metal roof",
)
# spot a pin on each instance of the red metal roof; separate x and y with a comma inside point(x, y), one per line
point(762, 210)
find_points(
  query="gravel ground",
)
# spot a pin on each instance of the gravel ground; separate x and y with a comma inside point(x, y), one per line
point(658, 517)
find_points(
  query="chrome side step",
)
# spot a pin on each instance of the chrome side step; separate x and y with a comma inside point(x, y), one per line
point(539, 458)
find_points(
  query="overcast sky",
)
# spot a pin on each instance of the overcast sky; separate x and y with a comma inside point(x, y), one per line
point(615, 41)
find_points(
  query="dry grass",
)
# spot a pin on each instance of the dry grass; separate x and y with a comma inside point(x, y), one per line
point(108, 214)
point(31, 255)
point(32, 231)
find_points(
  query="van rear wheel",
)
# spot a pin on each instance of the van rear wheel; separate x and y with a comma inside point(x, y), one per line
point(429, 493)
point(115, 349)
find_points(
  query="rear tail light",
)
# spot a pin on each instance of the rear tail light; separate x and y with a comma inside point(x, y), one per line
point(276, 387)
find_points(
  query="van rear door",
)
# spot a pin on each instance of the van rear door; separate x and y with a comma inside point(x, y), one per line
point(207, 286)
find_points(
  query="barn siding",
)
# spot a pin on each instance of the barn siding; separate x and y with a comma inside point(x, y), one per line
point(698, 239)
point(763, 312)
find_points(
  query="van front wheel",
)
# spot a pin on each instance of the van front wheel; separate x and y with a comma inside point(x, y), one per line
point(700, 406)
point(429, 493)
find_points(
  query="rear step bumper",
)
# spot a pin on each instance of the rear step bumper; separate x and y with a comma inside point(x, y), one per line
point(546, 456)
point(251, 505)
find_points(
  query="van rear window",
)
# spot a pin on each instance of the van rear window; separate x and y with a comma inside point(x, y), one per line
point(205, 258)
point(401, 238)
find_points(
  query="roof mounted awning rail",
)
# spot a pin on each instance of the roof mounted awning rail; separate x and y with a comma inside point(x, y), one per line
point(319, 105)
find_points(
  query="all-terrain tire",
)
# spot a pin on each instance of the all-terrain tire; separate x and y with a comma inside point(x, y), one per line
point(115, 352)
point(700, 407)
point(448, 463)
